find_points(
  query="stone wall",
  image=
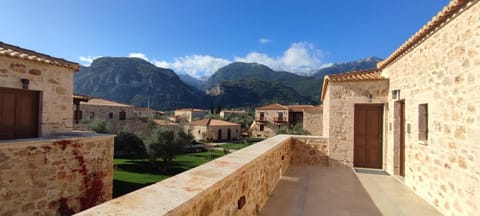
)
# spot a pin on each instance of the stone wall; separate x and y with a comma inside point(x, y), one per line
point(310, 151)
point(339, 112)
point(442, 71)
point(39, 176)
point(313, 122)
point(54, 83)
point(236, 184)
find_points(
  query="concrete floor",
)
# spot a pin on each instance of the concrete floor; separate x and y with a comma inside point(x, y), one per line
point(340, 191)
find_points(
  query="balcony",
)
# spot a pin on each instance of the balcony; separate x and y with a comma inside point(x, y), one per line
point(283, 175)
point(261, 119)
point(280, 120)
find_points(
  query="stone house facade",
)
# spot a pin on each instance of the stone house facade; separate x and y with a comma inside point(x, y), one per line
point(416, 116)
point(190, 114)
point(214, 129)
point(269, 118)
point(45, 168)
point(119, 115)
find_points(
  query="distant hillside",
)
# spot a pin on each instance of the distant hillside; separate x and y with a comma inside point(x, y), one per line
point(362, 64)
point(135, 81)
point(253, 92)
point(304, 86)
point(189, 80)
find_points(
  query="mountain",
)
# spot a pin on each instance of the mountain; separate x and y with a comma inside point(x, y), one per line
point(304, 86)
point(137, 82)
point(189, 80)
point(254, 92)
point(362, 64)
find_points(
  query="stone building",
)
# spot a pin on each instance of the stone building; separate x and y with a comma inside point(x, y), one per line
point(190, 114)
point(45, 168)
point(117, 114)
point(417, 116)
point(271, 117)
point(214, 129)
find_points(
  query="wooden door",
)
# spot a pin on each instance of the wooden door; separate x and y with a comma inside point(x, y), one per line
point(229, 134)
point(368, 135)
point(219, 137)
point(18, 113)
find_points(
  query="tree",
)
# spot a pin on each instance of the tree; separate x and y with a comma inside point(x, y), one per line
point(295, 130)
point(129, 144)
point(166, 144)
point(100, 126)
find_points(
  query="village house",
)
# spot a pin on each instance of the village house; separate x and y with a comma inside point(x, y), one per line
point(214, 130)
point(269, 118)
point(190, 114)
point(117, 114)
point(45, 168)
point(413, 120)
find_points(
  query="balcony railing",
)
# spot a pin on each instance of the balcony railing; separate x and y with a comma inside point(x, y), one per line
point(261, 119)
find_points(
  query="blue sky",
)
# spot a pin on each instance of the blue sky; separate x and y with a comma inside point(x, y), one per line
point(199, 36)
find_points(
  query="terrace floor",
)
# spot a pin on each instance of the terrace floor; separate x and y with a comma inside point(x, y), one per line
point(340, 191)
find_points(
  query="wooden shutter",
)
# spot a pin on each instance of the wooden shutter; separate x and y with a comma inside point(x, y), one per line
point(423, 122)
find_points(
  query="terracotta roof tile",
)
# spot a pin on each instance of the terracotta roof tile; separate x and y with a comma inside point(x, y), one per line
point(190, 109)
point(437, 21)
point(298, 108)
point(364, 75)
point(25, 54)
point(212, 122)
point(274, 106)
point(104, 102)
point(81, 97)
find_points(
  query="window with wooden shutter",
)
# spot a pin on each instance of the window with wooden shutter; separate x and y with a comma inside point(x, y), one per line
point(423, 122)
point(122, 115)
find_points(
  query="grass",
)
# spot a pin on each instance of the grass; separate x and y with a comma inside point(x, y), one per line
point(132, 174)
point(235, 146)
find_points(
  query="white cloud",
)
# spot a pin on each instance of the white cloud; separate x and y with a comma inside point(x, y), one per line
point(301, 57)
point(195, 65)
point(264, 40)
point(87, 59)
point(138, 55)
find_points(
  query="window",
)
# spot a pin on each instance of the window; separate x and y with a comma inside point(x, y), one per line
point(280, 116)
point(423, 122)
point(262, 116)
point(198, 131)
point(92, 115)
point(122, 115)
point(262, 127)
point(110, 115)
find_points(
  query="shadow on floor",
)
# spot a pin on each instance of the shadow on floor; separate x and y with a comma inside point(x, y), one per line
point(319, 191)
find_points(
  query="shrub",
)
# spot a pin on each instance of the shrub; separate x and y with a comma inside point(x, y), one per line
point(100, 126)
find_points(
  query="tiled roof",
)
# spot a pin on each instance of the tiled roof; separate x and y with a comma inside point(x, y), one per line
point(103, 102)
point(436, 22)
point(190, 109)
point(298, 108)
point(365, 75)
point(81, 97)
point(314, 109)
point(274, 106)
point(25, 54)
point(213, 122)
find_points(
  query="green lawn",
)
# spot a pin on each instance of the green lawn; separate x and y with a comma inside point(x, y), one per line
point(132, 174)
point(235, 146)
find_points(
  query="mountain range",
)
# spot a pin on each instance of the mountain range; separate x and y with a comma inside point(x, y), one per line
point(140, 83)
